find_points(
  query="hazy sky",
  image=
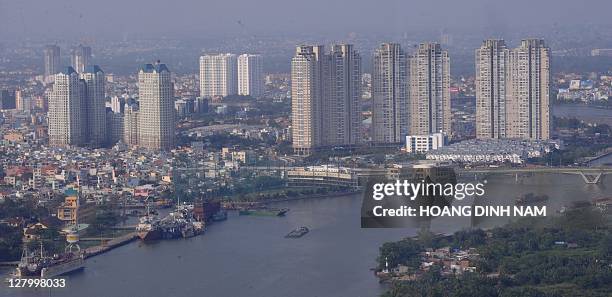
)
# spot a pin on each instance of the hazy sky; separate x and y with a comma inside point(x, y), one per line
point(115, 18)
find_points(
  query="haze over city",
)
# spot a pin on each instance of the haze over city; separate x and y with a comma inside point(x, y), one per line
point(192, 18)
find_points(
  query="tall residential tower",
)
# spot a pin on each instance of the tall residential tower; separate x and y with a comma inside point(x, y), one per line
point(325, 98)
point(250, 75)
point(218, 75)
point(81, 57)
point(156, 102)
point(528, 91)
point(95, 105)
point(342, 97)
point(491, 75)
point(307, 71)
point(67, 125)
point(430, 107)
point(52, 62)
point(390, 116)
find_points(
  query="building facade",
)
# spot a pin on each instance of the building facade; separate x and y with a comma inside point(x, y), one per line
point(156, 123)
point(307, 67)
point(218, 75)
point(250, 75)
point(326, 98)
point(528, 93)
point(342, 97)
point(7, 99)
point(130, 125)
point(430, 108)
point(424, 143)
point(66, 106)
point(114, 127)
point(390, 115)
point(52, 62)
point(491, 75)
point(81, 57)
point(95, 105)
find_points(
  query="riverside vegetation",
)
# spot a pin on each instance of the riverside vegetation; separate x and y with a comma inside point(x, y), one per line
point(570, 255)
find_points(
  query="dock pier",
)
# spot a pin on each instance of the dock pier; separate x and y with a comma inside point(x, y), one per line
point(111, 244)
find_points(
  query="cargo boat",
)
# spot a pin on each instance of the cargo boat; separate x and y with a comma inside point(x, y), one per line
point(298, 232)
point(40, 265)
point(264, 212)
point(178, 224)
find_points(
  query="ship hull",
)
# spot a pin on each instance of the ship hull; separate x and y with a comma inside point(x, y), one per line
point(263, 212)
point(63, 268)
point(150, 235)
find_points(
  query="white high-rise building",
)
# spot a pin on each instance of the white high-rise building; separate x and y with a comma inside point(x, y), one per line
point(52, 61)
point(156, 124)
point(250, 75)
point(430, 106)
point(390, 115)
point(307, 68)
point(528, 91)
point(491, 74)
point(66, 105)
point(218, 75)
point(81, 57)
point(95, 105)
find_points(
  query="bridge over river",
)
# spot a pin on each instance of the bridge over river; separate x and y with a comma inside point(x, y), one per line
point(590, 175)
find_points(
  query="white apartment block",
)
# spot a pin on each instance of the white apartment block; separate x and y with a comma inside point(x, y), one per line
point(218, 75)
point(156, 123)
point(306, 98)
point(250, 75)
point(430, 107)
point(66, 108)
point(424, 143)
point(390, 117)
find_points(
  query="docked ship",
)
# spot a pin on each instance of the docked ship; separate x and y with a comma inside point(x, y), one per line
point(177, 224)
point(530, 198)
point(264, 212)
point(298, 232)
point(148, 228)
point(38, 264)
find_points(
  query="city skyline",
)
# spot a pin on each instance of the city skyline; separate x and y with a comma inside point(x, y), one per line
point(410, 94)
point(157, 147)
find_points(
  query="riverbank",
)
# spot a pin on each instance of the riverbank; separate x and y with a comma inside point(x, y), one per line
point(303, 197)
point(587, 113)
point(110, 245)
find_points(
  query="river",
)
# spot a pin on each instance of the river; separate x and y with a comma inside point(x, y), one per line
point(589, 114)
point(248, 256)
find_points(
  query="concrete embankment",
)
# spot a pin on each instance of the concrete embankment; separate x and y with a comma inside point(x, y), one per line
point(111, 244)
